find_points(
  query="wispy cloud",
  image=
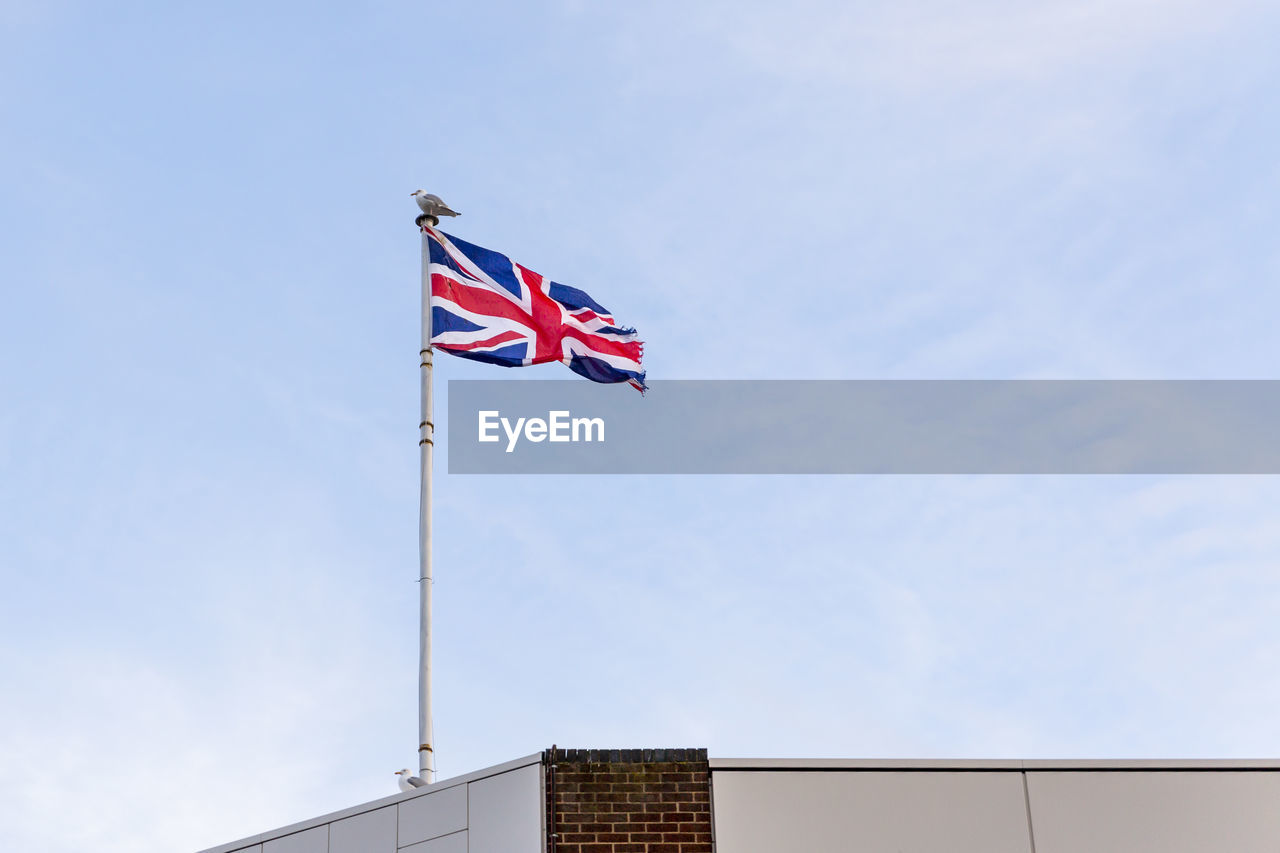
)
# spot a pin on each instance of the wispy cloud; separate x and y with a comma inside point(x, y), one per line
point(942, 44)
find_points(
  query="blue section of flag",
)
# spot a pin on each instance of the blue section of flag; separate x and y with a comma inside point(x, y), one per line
point(573, 299)
point(496, 266)
point(512, 356)
point(601, 371)
point(443, 321)
point(440, 258)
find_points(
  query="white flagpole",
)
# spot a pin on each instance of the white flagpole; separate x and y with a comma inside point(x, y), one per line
point(426, 753)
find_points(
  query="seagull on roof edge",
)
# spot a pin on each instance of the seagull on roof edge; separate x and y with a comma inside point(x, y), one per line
point(407, 782)
point(432, 204)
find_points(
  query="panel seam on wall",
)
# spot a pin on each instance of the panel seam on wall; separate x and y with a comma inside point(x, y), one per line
point(711, 804)
point(1026, 801)
point(545, 792)
point(438, 837)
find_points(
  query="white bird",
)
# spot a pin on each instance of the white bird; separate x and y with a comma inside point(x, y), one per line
point(407, 782)
point(432, 204)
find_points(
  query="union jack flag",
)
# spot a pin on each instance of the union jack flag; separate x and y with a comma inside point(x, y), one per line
point(486, 307)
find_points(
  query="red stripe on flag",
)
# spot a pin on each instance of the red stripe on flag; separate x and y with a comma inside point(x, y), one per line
point(479, 300)
point(626, 349)
point(504, 337)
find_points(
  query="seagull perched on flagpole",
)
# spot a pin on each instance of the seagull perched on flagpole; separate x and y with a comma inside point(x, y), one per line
point(407, 782)
point(432, 204)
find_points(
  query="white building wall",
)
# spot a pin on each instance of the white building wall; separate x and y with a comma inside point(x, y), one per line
point(996, 807)
point(498, 810)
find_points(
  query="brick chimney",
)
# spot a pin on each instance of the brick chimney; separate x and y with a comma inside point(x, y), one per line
point(628, 801)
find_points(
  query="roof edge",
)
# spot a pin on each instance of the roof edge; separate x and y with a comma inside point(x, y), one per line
point(972, 764)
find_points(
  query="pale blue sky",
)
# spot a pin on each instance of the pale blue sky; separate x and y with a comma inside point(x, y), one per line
point(208, 448)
